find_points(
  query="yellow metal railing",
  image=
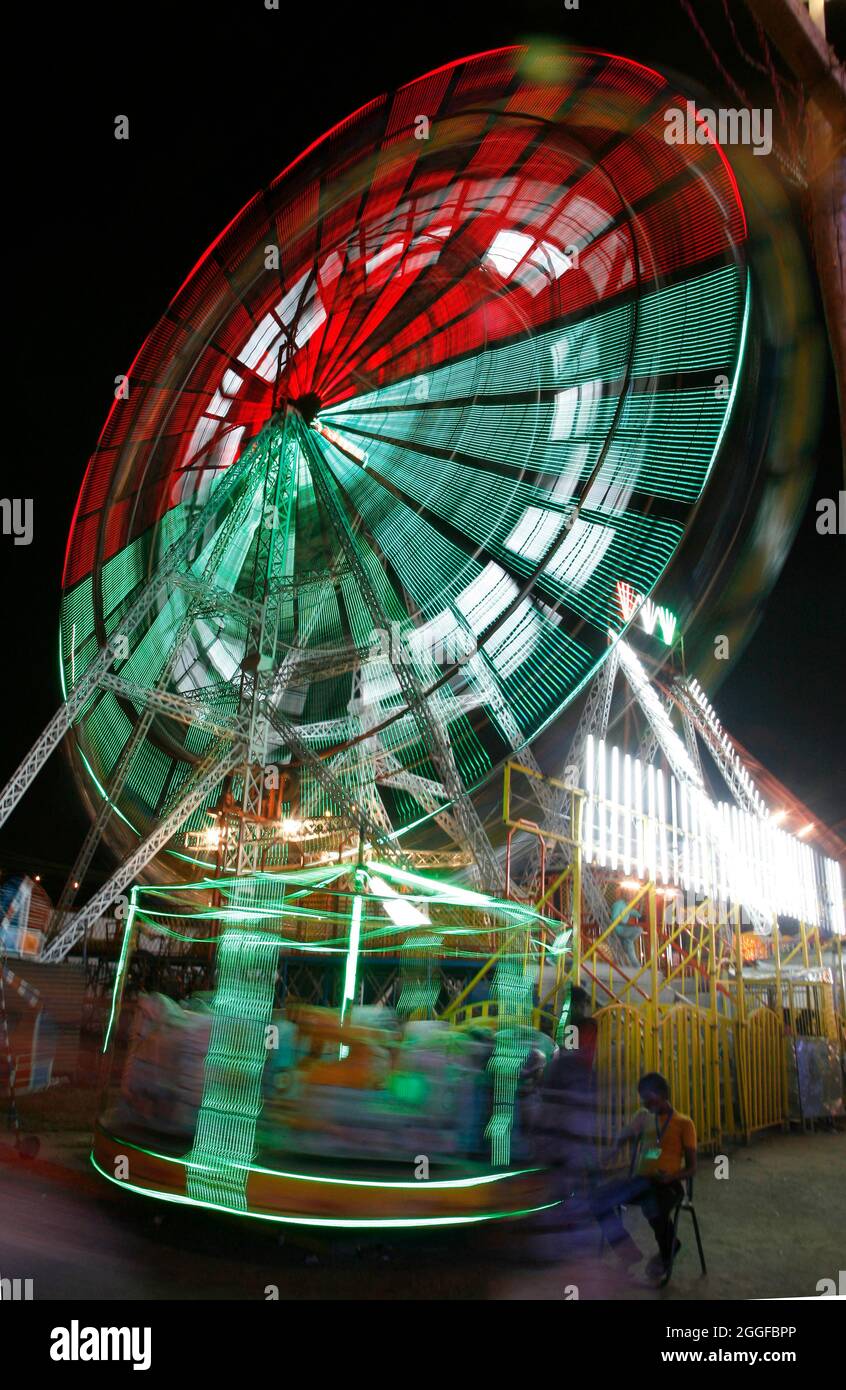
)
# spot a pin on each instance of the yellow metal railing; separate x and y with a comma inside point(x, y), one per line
point(687, 1045)
point(762, 1071)
point(486, 1012)
point(622, 1057)
point(715, 1029)
point(807, 1006)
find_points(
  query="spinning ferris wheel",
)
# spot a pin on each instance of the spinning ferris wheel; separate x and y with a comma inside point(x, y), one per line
point(354, 528)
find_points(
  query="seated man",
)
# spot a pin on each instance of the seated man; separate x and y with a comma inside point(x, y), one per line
point(665, 1156)
point(627, 930)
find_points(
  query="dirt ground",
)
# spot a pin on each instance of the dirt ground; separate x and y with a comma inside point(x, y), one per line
point(773, 1229)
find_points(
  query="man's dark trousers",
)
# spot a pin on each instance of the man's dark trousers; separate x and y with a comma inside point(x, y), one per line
point(658, 1201)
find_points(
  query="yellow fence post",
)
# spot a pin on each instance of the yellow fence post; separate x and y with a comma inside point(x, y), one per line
point(777, 958)
point(741, 1038)
point(714, 1026)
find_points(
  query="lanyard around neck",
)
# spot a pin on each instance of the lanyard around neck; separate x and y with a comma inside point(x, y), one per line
point(659, 1133)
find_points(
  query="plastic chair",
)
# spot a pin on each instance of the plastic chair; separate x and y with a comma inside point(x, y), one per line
point(685, 1203)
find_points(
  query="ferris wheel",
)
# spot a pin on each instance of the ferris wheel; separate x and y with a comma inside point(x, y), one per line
point(355, 526)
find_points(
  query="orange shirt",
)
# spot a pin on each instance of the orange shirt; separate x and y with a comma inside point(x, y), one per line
point(671, 1135)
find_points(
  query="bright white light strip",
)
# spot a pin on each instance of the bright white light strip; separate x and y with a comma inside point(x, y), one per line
point(602, 803)
point(695, 842)
point(587, 829)
point(638, 808)
point(737, 882)
point(725, 840)
point(810, 887)
point(834, 883)
point(341, 442)
point(754, 861)
point(352, 963)
point(742, 841)
point(773, 870)
point(796, 880)
point(662, 827)
point(719, 851)
point(627, 814)
point(615, 806)
point(650, 823)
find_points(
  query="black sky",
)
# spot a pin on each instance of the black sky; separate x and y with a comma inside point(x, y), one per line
point(220, 98)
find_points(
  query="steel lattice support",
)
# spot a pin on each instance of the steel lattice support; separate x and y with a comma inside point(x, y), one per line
point(128, 871)
point(492, 696)
point(182, 707)
point(419, 705)
point(691, 744)
point(101, 820)
point(596, 713)
point(429, 794)
point(648, 746)
point(671, 745)
point(335, 789)
point(279, 490)
point(593, 720)
point(206, 599)
point(135, 614)
point(700, 717)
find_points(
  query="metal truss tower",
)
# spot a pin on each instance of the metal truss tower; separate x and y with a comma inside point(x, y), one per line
point(265, 476)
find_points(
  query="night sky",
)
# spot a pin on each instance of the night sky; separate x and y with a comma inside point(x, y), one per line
point(103, 232)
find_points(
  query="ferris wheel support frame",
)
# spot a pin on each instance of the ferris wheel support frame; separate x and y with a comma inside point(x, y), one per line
point(57, 949)
point(333, 787)
point(262, 636)
point(207, 599)
point(181, 707)
point(244, 732)
point(95, 831)
point(423, 710)
point(648, 746)
point(690, 741)
point(593, 720)
point(430, 794)
point(135, 614)
point(719, 746)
